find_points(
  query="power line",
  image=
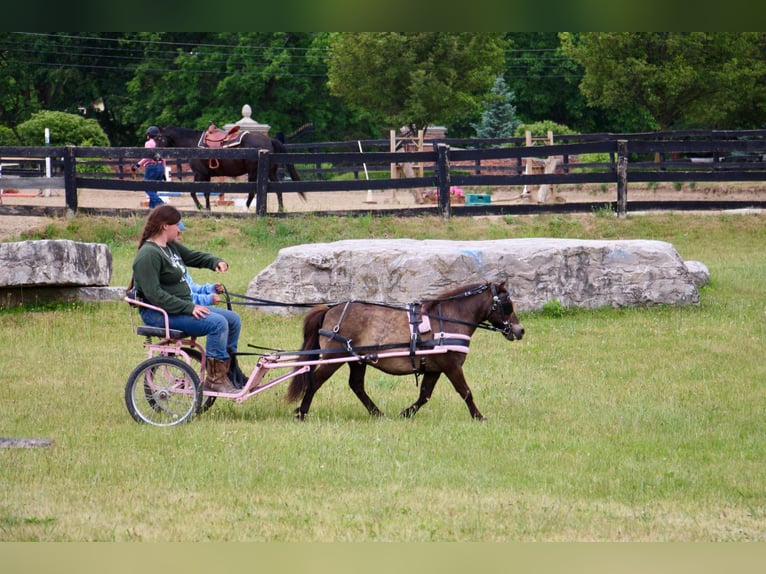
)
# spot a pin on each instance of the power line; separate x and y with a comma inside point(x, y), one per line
point(158, 59)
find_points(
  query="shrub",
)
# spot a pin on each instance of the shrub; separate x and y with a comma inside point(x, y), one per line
point(540, 129)
point(65, 129)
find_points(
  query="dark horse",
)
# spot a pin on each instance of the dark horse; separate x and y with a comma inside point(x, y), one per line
point(370, 331)
point(174, 136)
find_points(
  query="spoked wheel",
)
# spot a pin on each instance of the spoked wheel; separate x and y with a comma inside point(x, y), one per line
point(163, 391)
point(196, 363)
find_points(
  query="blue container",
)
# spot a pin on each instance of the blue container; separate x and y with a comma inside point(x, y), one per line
point(477, 199)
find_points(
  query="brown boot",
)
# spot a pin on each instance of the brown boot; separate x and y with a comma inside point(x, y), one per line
point(216, 379)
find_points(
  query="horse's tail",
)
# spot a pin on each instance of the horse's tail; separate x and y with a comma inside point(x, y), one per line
point(279, 147)
point(311, 323)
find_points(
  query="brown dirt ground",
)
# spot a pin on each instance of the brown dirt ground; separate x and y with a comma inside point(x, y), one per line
point(12, 225)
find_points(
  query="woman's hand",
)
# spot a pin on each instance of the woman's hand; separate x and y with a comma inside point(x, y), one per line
point(222, 267)
point(200, 311)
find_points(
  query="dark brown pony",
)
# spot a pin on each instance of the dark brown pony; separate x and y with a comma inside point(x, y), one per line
point(370, 330)
point(174, 136)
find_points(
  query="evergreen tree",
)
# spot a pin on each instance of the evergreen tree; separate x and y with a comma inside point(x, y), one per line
point(499, 119)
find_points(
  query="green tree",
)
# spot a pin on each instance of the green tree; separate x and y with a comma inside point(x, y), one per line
point(498, 120)
point(77, 72)
point(415, 79)
point(545, 83)
point(197, 79)
point(679, 79)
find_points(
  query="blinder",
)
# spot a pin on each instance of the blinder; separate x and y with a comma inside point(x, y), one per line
point(504, 304)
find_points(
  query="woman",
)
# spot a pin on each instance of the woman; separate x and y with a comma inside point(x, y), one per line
point(158, 275)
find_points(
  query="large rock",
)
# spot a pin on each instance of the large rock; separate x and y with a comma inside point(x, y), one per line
point(54, 262)
point(576, 273)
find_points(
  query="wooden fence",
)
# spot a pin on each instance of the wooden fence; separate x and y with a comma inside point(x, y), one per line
point(700, 156)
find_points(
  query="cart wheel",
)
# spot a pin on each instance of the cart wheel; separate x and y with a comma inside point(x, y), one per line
point(163, 391)
point(196, 364)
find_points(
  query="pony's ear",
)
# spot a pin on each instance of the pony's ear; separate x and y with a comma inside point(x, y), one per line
point(496, 278)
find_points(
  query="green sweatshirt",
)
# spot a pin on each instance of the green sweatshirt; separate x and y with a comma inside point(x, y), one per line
point(158, 274)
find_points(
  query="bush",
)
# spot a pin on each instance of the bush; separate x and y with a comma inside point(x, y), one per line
point(7, 137)
point(66, 129)
point(540, 129)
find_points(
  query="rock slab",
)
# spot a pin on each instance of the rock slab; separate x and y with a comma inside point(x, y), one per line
point(574, 272)
point(58, 262)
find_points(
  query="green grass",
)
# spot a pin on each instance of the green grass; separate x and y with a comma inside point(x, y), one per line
point(609, 425)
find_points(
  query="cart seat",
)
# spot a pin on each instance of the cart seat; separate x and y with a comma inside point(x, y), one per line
point(147, 331)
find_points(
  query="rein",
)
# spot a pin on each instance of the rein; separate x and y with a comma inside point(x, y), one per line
point(259, 302)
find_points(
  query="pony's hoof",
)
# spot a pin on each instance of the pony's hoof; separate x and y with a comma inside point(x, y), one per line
point(299, 416)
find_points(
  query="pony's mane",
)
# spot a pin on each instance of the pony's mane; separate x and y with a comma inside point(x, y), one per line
point(428, 304)
point(183, 131)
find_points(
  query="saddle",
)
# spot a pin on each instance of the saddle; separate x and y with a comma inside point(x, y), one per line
point(214, 137)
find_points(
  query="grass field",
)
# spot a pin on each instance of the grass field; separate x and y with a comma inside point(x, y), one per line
point(609, 425)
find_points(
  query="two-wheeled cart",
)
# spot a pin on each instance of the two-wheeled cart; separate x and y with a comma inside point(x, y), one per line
point(166, 388)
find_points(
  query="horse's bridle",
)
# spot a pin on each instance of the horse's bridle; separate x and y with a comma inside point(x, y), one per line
point(501, 304)
point(505, 307)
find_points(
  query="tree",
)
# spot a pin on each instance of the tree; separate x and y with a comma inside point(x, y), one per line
point(498, 120)
point(679, 79)
point(195, 79)
point(415, 79)
point(545, 83)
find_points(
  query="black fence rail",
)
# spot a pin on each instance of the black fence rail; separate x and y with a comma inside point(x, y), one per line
point(709, 156)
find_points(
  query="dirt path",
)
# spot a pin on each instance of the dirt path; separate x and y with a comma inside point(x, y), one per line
point(11, 225)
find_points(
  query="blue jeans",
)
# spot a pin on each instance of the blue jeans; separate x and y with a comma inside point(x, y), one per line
point(154, 172)
point(221, 327)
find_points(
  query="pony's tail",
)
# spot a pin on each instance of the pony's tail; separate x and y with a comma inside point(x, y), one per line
point(312, 322)
point(294, 175)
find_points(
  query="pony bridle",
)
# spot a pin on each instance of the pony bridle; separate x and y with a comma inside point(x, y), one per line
point(505, 307)
point(500, 303)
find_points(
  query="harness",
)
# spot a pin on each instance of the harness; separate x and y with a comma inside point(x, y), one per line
point(420, 324)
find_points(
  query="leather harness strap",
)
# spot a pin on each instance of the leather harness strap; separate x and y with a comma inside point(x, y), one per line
point(417, 323)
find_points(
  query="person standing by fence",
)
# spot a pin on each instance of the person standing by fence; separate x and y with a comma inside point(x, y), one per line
point(154, 167)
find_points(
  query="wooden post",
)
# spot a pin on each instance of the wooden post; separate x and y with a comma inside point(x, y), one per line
point(70, 181)
point(622, 178)
point(262, 182)
point(443, 180)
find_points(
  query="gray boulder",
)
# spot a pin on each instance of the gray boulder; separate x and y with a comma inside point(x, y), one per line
point(54, 262)
point(574, 272)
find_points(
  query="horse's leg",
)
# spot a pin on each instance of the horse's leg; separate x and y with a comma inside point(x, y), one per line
point(457, 378)
point(426, 389)
point(200, 177)
point(317, 379)
point(356, 382)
